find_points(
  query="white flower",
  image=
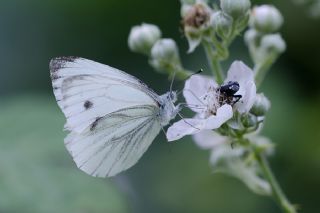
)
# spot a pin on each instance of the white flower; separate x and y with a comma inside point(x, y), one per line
point(234, 160)
point(208, 139)
point(196, 22)
point(203, 97)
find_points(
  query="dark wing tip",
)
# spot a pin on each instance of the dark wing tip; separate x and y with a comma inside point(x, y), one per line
point(59, 62)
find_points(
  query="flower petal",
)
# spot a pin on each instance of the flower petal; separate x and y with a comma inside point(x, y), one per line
point(193, 43)
point(224, 113)
point(208, 139)
point(194, 125)
point(244, 76)
point(196, 87)
point(184, 127)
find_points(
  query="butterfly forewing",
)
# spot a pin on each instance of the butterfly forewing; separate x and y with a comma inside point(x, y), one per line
point(86, 90)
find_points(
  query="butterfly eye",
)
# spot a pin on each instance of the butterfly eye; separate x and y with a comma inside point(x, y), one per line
point(173, 96)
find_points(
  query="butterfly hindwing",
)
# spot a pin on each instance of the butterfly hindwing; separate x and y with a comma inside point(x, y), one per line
point(115, 142)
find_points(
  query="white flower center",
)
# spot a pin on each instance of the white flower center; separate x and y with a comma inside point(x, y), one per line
point(211, 102)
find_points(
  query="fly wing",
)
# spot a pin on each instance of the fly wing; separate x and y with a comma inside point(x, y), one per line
point(115, 142)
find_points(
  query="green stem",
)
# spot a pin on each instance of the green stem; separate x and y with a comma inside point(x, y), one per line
point(277, 192)
point(262, 68)
point(214, 62)
point(232, 35)
point(222, 51)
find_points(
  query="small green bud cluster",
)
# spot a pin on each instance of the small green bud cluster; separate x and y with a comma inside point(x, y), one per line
point(202, 23)
point(249, 122)
point(236, 9)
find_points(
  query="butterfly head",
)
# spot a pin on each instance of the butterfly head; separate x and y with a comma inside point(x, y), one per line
point(172, 96)
point(168, 110)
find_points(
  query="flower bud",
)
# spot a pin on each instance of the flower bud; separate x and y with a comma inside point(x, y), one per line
point(221, 23)
point(235, 8)
point(251, 36)
point(273, 43)
point(165, 55)
point(266, 19)
point(249, 120)
point(143, 37)
point(185, 9)
point(261, 105)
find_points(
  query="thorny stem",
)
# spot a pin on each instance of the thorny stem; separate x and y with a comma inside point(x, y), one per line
point(214, 62)
point(277, 192)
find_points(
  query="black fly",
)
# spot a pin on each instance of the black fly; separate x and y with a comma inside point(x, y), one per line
point(227, 93)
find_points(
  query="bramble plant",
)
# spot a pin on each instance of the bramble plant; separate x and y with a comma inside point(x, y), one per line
point(229, 113)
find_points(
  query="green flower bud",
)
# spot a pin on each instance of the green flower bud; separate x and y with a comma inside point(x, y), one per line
point(222, 23)
point(261, 105)
point(273, 43)
point(266, 19)
point(165, 55)
point(249, 120)
point(143, 37)
point(235, 8)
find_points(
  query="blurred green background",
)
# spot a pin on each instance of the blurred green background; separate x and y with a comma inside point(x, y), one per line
point(38, 175)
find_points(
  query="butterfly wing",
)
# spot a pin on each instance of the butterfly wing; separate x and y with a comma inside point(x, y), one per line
point(86, 90)
point(111, 115)
point(115, 142)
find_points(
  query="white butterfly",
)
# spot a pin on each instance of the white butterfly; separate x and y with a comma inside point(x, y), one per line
point(112, 116)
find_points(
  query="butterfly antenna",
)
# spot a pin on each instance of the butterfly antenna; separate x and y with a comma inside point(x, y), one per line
point(189, 76)
point(196, 73)
point(172, 80)
point(164, 131)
